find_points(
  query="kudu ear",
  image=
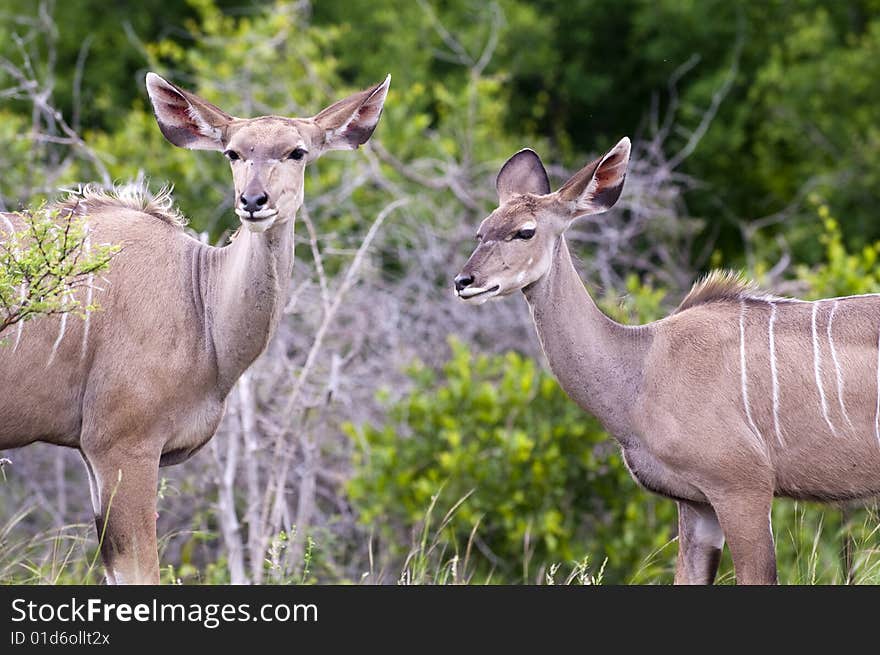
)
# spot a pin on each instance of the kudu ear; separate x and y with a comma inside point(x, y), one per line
point(350, 122)
point(522, 173)
point(597, 186)
point(185, 119)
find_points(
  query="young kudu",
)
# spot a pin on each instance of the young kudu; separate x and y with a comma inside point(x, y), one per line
point(143, 382)
point(734, 398)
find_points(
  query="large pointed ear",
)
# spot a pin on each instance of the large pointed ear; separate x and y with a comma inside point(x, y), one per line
point(597, 186)
point(350, 122)
point(185, 119)
point(522, 173)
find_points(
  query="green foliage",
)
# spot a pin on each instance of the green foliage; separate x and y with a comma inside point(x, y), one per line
point(817, 69)
point(841, 273)
point(44, 264)
point(98, 48)
point(545, 483)
point(810, 540)
point(276, 59)
point(287, 61)
point(18, 172)
point(567, 78)
point(642, 303)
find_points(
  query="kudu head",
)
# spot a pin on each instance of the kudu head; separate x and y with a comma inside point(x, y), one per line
point(517, 240)
point(268, 154)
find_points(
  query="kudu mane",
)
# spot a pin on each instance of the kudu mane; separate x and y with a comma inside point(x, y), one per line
point(721, 286)
point(135, 195)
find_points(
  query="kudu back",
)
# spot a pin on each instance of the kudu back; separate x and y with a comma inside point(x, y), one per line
point(736, 397)
point(142, 383)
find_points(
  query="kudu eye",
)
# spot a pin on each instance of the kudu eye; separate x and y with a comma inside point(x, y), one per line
point(231, 155)
point(297, 154)
point(526, 233)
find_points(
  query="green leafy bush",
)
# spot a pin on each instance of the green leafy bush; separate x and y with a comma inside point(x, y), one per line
point(548, 485)
point(842, 273)
point(44, 264)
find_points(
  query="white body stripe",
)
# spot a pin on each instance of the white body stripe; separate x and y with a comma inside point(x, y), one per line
point(87, 247)
point(773, 374)
point(744, 374)
point(817, 370)
point(19, 328)
point(877, 414)
point(89, 291)
point(837, 371)
point(9, 226)
point(58, 340)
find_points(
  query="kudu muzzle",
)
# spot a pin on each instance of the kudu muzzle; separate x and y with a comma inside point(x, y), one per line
point(254, 200)
point(467, 285)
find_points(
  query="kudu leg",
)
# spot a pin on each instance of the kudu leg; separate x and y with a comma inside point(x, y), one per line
point(745, 520)
point(126, 523)
point(700, 541)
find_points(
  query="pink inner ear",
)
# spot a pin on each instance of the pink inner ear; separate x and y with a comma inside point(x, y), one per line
point(368, 112)
point(179, 113)
point(171, 107)
point(167, 101)
point(609, 172)
point(360, 126)
point(606, 187)
point(166, 95)
point(614, 160)
point(182, 123)
point(364, 119)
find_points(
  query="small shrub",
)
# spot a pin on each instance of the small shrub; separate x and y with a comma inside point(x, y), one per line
point(44, 264)
point(547, 484)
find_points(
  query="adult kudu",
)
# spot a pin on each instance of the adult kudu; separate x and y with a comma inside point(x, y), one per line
point(734, 398)
point(143, 383)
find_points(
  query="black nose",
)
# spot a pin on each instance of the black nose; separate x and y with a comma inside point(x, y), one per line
point(463, 281)
point(253, 202)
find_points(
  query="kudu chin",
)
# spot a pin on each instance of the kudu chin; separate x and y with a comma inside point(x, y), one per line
point(143, 382)
point(734, 398)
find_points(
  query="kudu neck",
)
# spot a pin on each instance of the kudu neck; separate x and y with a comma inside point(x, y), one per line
point(247, 290)
point(598, 362)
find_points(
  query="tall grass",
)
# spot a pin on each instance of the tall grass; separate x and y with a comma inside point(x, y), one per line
point(67, 555)
point(810, 543)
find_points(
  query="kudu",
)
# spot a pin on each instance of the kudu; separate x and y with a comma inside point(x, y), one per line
point(143, 382)
point(734, 398)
